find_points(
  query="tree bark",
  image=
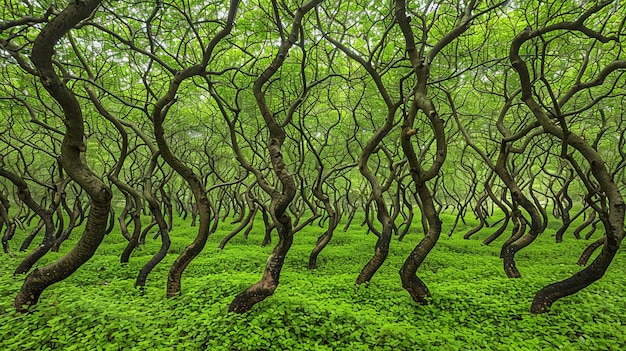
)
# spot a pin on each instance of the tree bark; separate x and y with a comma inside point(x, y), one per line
point(72, 147)
point(613, 216)
point(280, 199)
point(191, 178)
point(159, 220)
point(10, 225)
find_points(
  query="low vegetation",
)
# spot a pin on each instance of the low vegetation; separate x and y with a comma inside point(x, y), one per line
point(474, 305)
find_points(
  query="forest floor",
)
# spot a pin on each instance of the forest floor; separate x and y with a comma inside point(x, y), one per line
point(474, 306)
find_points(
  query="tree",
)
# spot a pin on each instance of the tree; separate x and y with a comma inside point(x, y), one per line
point(71, 159)
point(555, 117)
point(280, 199)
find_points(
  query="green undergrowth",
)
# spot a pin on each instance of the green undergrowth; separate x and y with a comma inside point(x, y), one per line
point(473, 306)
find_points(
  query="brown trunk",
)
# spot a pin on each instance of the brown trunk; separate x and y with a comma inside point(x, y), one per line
point(381, 250)
point(46, 222)
point(512, 246)
point(193, 249)
point(549, 294)
point(324, 239)
point(135, 200)
point(584, 257)
point(408, 223)
point(239, 228)
point(280, 202)
point(155, 209)
point(563, 196)
point(280, 199)
point(121, 219)
point(481, 217)
point(587, 222)
point(33, 233)
point(159, 113)
point(45, 215)
point(613, 216)
point(498, 232)
point(268, 225)
point(72, 146)
point(271, 275)
point(4, 219)
point(73, 216)
point(421, 103)
point(415, 286)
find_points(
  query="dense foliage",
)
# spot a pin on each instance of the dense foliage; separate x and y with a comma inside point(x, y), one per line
point(133, 118)
point(474, 305)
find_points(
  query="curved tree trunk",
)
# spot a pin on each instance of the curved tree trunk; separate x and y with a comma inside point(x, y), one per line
point(584, 257)
point(239, 228)
point(46, 221)
point(613, 216)
point(280, 199)
point(135, 200)
point(191, 178)
point(507, 216)
point(594, 226)
point(159, 220)
point(154, 207)
point(481, 217)
point(72, 147)
point(333, 211)
point(564, 210)
point(73, 215)
point(23, 193)
point(121, 219)
point(420, 102)
point(33, 233)
point(267, 224)
point(132, 197)
point(4, 219)
point(511, 247)
point(408, 221)
point(587, 222)
point(415, 286)
point(324, 239)
point(197, 188)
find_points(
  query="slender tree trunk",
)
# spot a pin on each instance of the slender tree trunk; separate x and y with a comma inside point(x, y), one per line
point(46, 221)
point(564, 210)
point(239, 228)
point(519, 240)
point(324, 239)
point(159, 220)
point(415, 286)
point(10, 225)
point(481, 218)
point(507, 216)
point(280, 199)
point(135, 199)
point(585, 224)
point(191, 178)
point(73, 217)
point(33, 233)
point(269, 227)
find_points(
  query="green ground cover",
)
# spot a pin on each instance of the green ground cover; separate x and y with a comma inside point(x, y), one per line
point(474, 306)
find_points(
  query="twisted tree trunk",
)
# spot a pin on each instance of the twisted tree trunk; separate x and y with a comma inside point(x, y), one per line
point(613, 215)
point(71, 159)
point(280, 199)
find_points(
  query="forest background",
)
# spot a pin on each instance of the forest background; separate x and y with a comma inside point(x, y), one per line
point(431, 119)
